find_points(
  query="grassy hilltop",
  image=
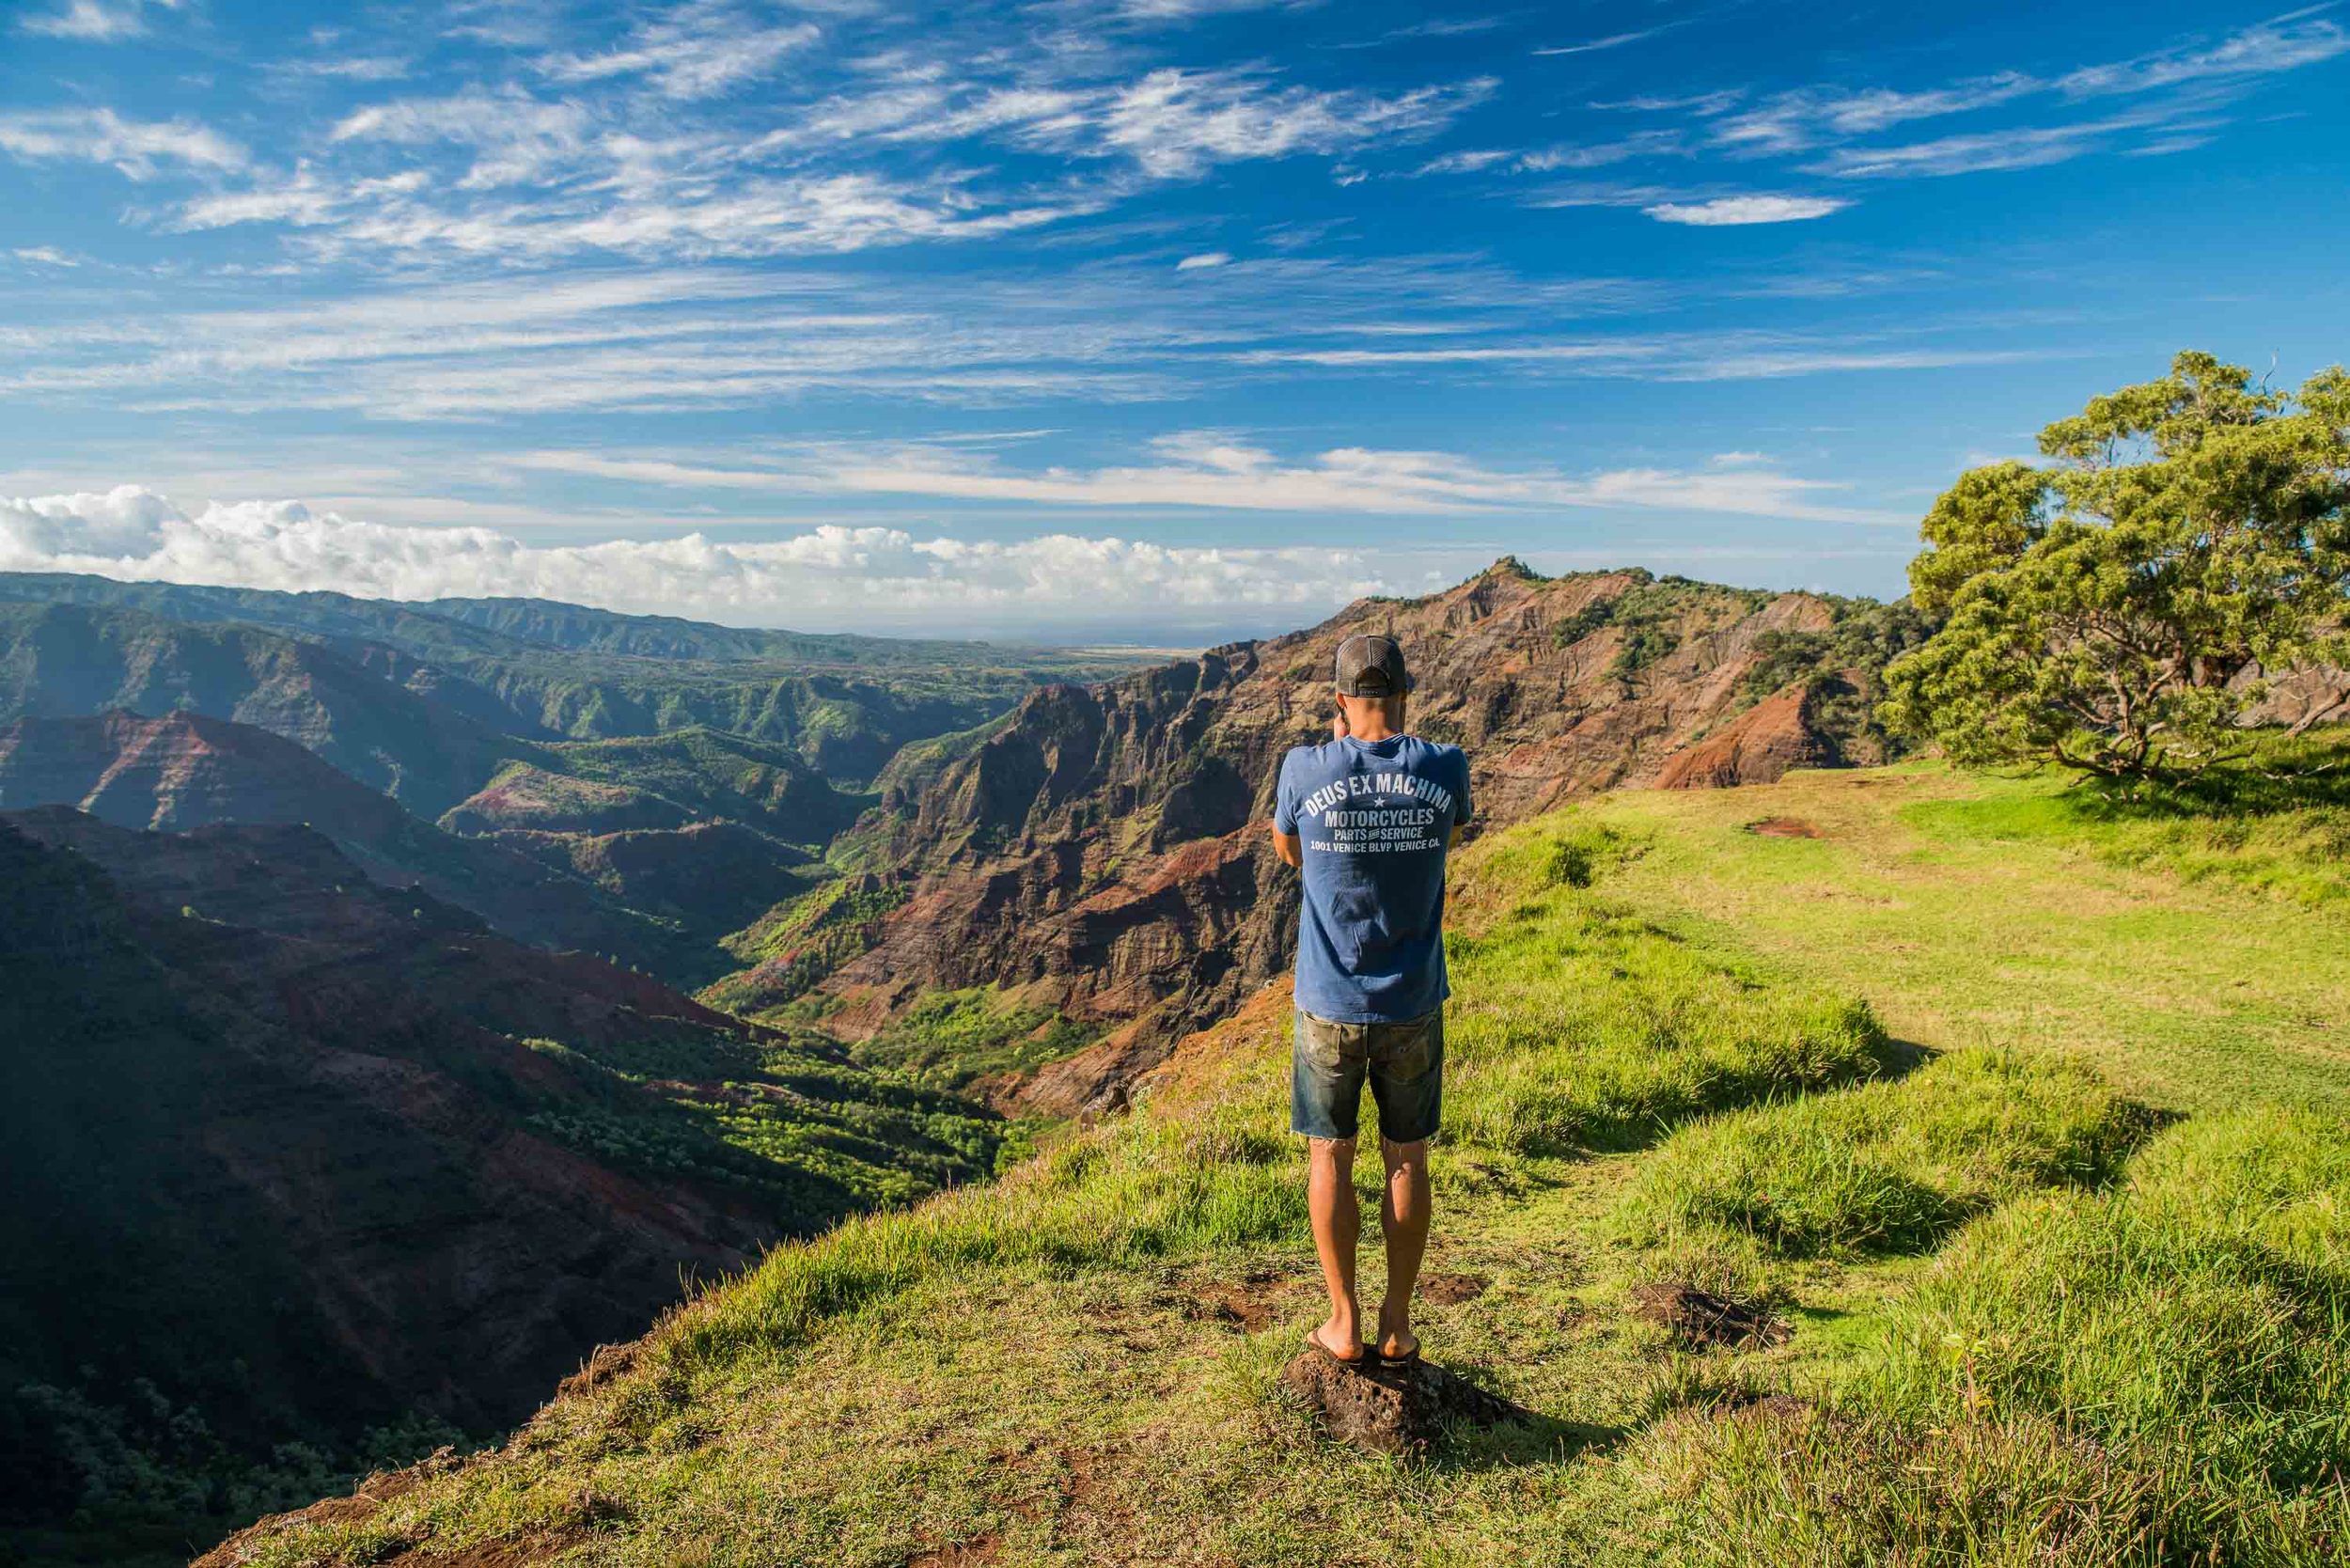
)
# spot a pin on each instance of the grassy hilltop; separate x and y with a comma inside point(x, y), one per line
point(2013, 1124)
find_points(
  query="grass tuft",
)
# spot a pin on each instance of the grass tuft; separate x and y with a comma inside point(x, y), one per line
point(1889, 1166)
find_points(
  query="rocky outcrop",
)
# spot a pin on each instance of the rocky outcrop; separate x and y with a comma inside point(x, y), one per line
point(1391, 1407)
point(1756, 747)
point(1105, 850)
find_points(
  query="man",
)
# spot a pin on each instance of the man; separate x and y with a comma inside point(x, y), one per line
point(1368, 818)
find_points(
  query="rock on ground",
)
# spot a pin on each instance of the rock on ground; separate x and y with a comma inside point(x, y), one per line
point(1387, 1407)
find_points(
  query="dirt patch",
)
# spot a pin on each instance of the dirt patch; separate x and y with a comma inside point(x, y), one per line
point(1255, 1301)
point(967, 1554)
point(1450, 1290)
point(1249, 1308)
point(1702, 1318)
point(1785, 827)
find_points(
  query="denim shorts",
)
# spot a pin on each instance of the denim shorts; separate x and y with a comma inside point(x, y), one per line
point(1404, 1062)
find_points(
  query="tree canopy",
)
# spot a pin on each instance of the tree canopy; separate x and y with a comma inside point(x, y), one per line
point(2119, 607)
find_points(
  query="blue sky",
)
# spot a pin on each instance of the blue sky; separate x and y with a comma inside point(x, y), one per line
point(1145, 319)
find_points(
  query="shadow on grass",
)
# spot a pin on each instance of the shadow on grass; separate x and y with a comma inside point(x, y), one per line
point(1515, 1438)
point(1595, 1135)
point(2282, 775)
point(1520, 1438)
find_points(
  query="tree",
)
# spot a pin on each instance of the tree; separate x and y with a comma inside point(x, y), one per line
point(2116, 609)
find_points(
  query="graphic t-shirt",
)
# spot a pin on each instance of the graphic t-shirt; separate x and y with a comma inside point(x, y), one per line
point(1374, 818)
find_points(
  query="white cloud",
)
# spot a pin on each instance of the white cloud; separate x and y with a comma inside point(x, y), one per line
point(2171, 82)
point(1793, 122)
point(1613, 40)
point(1212, 470)
point(1732, 210)
point(702, 49)
point(2279, 44)
point(43, 256)
point(2018, 148)
point(515, 137)
point(1205, 258)
point(95, 21)
point(135, 147)
point(1175, 123)
point(827, 574)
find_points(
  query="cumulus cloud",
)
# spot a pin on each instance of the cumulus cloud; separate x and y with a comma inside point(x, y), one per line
point(830, 575)
point(1725, 212)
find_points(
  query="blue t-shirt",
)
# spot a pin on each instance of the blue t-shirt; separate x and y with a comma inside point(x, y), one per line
point(1375, 817)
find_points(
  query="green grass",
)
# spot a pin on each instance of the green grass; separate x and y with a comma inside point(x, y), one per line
point(1577, 1026)
point(2293, 849)
point(2156, 1374)
point(1890, 1167)
point(2039, 1147)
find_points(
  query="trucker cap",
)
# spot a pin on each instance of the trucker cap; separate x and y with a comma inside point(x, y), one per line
point(1371, 667)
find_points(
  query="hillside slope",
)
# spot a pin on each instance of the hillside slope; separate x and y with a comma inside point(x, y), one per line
point(183, 770)
point(2004, 1310)
point(1103, 850)
point(290, 1156)
point(74, 660)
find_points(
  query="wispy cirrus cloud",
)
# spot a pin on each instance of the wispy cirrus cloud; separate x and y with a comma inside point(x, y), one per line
point(700, 50)
point(1217, 470)
point(508, 170)
point(139, 150)
point(2182, 81)
point(1175, 123)
point(94, 20)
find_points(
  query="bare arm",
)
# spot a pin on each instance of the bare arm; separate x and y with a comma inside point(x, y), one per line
point(1290, 848)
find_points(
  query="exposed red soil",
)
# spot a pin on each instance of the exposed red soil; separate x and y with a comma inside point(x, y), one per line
point(1758, 748)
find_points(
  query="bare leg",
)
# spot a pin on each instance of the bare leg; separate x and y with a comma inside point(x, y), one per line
point(1403, 1219)
point(1338, 1221)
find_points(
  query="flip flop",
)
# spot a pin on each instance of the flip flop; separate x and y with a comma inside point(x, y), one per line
point(1369, 1352)
point(1404, 1360)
